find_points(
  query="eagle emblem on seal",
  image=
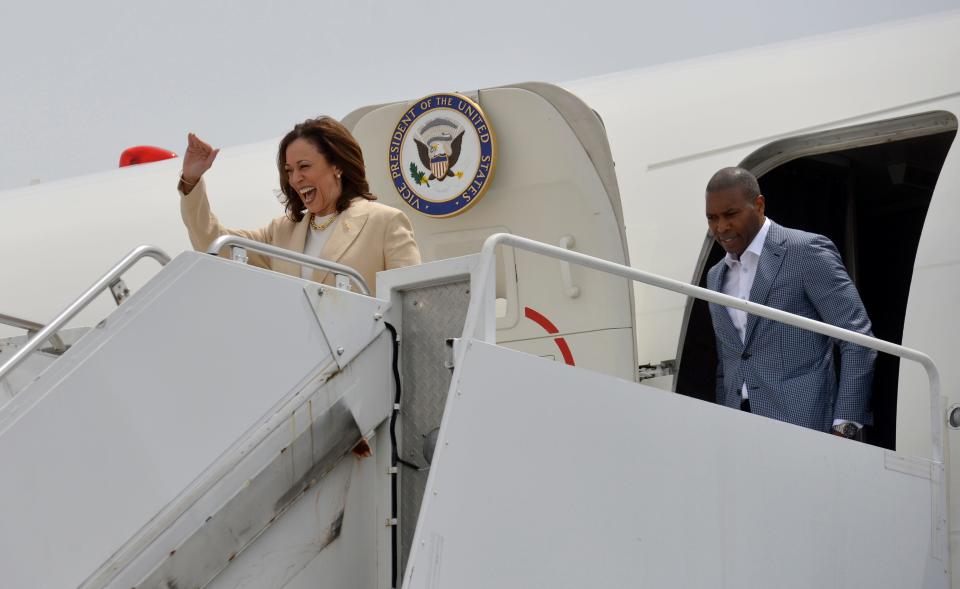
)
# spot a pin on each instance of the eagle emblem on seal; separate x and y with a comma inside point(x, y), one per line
point(438, 144)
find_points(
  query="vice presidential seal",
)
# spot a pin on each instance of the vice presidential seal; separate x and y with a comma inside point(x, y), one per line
point(442, 154)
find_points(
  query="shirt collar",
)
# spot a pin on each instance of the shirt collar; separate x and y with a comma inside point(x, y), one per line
point(756, 246)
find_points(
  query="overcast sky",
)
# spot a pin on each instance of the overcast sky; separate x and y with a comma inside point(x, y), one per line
point(83, 80)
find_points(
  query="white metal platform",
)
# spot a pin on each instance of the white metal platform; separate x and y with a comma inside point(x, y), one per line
point(549, 476)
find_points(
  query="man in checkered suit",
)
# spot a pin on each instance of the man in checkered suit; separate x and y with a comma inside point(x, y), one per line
point(770, 368)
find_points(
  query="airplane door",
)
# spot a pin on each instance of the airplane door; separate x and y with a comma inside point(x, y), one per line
point(552, 180)
point(868, 188)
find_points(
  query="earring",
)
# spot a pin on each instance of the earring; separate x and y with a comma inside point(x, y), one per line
point(338, 174)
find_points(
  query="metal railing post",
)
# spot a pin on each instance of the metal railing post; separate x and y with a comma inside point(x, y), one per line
point(32, 327)
point(240, 245)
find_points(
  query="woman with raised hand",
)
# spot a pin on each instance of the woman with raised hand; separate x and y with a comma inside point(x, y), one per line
point(330, 212)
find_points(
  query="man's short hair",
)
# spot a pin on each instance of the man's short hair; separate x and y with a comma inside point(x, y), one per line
point(734, 176)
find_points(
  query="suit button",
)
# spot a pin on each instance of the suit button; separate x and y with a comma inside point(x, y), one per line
point(745, 355)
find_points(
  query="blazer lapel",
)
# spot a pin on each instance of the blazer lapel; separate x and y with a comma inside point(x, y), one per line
point(768, 267)
point(297, 242)
point(345, 232)
point(723, 320)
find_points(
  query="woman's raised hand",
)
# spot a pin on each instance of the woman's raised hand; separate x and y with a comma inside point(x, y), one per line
point(197, 159)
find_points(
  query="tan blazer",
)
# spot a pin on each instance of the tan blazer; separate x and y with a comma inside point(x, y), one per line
point(369, 237)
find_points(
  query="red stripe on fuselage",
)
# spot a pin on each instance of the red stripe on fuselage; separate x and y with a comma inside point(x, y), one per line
point(548, 325)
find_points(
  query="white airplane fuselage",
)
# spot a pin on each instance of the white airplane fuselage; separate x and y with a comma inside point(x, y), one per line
point(669, 128)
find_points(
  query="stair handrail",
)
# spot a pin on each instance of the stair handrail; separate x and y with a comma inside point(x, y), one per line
point(112, 275)
point(32, 327)
point(239, 246)
point(480, 325)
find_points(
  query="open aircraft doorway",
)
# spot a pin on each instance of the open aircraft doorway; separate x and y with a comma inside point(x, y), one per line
point(867, 188)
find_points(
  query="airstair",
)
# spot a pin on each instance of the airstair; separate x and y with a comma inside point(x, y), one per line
point(227, 426)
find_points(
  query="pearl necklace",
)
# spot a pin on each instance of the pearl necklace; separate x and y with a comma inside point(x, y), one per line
point(325, 224)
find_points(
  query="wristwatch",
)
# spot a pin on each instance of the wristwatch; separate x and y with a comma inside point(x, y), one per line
point(847, 430)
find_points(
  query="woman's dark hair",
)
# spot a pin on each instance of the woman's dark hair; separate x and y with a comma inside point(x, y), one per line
point(342, 151)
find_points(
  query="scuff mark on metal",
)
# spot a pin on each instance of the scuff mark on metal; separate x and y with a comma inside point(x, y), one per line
point(243, 531)
point(338, 431)
point(333, 532)
point(313, 444)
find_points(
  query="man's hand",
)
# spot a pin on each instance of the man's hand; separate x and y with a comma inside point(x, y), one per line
point(197, 159)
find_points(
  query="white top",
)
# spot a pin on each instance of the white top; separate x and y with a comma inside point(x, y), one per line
point(316, 240)
point(739, 279)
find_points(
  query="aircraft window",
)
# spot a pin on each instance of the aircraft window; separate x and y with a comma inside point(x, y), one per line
point(872, 202)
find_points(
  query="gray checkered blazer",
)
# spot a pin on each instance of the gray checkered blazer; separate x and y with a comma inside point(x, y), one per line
point(789, 372)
